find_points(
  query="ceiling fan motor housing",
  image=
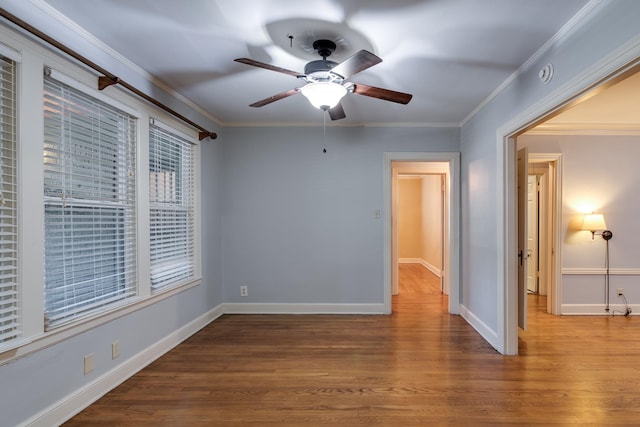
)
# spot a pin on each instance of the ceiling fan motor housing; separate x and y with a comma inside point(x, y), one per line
point(320, 66)
point(324, 47)
point(319, 71)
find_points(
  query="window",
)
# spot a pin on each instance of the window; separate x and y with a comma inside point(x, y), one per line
point(9, 292)
point(83, 241)
point(171, 202)
point(89, 203)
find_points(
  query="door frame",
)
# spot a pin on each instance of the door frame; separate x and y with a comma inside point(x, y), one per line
point(608, 71)
point(452, 234)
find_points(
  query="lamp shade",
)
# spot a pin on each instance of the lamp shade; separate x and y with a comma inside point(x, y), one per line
point(324, 95)
point(593, 222)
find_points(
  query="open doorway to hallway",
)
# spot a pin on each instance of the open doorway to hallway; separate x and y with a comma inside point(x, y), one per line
point(419, 197)
point(445, 165)
point(544, 210)
point(419, 230)
point(420, 223)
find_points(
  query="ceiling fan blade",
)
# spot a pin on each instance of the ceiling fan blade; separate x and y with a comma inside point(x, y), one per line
point(386, 94)
point(357, 62)
point(274, 98)
point(337, 112)
point(255, 63)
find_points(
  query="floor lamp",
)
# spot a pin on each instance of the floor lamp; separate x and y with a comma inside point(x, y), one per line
point(594, 223)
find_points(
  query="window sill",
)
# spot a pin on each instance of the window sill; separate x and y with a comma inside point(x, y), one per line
point(26, 345)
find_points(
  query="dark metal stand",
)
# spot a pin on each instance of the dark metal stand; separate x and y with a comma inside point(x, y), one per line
point(606, 235)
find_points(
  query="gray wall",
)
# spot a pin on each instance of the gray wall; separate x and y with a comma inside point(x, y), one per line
point(299, 224)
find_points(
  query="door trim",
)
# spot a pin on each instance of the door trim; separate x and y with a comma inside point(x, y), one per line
point(453, 233)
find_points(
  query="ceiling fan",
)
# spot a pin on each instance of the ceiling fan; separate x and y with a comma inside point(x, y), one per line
point(326, 80)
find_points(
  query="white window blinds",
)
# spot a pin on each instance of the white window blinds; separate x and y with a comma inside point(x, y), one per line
point(9, 292)
point(171, 187)
point(89, 198)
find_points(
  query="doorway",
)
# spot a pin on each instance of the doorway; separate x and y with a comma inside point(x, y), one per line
point(447, 164)
point(421, 220)
point(533, 234)
point(545, 170)
point(539, 189)
point(508, 306)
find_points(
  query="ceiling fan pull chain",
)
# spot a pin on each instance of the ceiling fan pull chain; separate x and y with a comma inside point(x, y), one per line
point(324, 131)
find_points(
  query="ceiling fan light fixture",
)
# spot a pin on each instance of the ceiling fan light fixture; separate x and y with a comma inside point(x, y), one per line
point(324, 95)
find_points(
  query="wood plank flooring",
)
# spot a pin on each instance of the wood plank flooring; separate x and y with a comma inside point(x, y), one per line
point(417, 367)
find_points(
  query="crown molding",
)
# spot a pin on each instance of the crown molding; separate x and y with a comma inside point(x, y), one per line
point(344, 124)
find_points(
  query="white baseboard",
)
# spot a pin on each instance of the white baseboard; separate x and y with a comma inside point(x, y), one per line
point(597, 310)
point(261, 308)
point(72, 404)
point(432, 268)
point(409, 260)
point(485, 331)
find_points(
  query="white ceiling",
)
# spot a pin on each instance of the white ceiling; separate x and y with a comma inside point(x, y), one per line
point(450, 54)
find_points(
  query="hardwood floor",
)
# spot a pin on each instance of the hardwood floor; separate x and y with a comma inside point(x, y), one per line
point(419, 366)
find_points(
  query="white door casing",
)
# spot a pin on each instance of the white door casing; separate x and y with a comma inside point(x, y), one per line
point(451, 261)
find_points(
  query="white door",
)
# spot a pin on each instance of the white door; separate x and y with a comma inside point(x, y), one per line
point(532, 234)
point(521, 173)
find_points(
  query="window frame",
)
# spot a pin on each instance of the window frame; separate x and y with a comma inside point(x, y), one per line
point(78, 197)
point(10, 309)
point(189, 206)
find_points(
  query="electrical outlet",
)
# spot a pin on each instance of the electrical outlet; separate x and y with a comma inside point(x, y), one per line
point(88, 363)
point(619, 292)
point(115, 349)
point(244, 292)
